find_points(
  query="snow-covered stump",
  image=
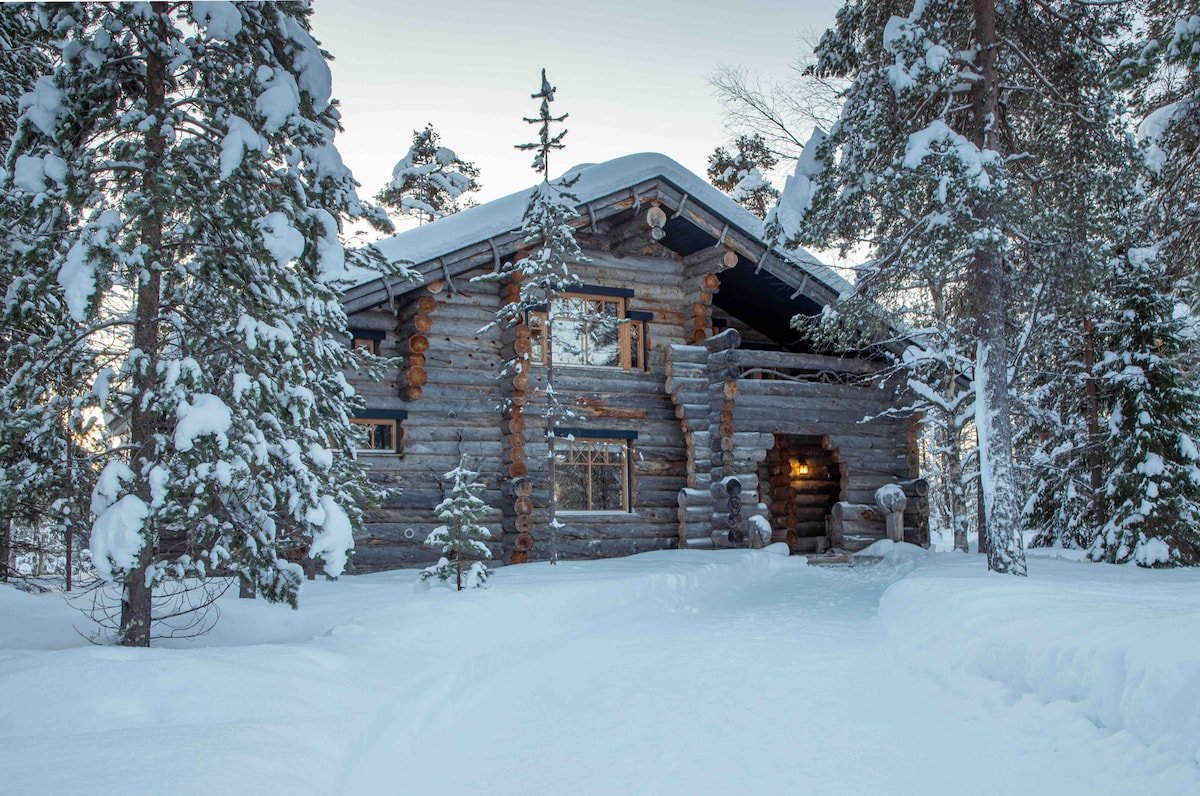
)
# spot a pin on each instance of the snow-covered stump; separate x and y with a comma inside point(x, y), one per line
point(891, 501)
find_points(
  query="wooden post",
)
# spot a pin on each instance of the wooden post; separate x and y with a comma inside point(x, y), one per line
point(891, 502)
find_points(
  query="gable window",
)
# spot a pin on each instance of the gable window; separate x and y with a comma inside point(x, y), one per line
point(593, 327)
point(382, 428)
point(592, 470)
point(369, 340)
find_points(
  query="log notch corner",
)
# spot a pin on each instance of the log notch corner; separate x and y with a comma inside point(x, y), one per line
point(413, 325)
point(722, 465)
point(516, 348)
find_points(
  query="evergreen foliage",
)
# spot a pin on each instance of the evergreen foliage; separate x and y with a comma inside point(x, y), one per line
point(182, 157)
point(1165, 76)
point(979, 158)
point(545, 271)
point(430, 181)
point(45, 370)
point(462, 535)
point(1148, 369)
point(740, 173)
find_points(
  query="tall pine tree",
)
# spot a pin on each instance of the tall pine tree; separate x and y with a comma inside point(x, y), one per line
point(543, 274)
point(187, 150)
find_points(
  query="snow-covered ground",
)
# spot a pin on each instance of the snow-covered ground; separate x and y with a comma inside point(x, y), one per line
point(683, 672)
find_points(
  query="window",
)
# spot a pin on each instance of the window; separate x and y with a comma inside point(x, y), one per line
point(593, 327)
point(367, 339)
point(383, 430)
point(591, 470)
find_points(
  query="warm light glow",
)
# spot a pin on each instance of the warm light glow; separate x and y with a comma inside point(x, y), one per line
point(799, 468)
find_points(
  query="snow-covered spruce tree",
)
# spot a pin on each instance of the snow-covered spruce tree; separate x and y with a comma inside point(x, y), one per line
point(1148, 369)
point(944, 160)
point(43, 365)
point(543, 274)
point(430, 181)
point(740, 173)
point(193, 146)
point(462, 535)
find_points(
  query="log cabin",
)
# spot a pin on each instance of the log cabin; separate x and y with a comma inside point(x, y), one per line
point(701, 418)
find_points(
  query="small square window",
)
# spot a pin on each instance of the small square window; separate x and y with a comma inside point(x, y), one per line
point(383, 434)
point(368, 340)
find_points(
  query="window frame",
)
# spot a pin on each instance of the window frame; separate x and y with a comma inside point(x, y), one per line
point(573, 436)
point(392, 418)
point(632, 328)
point(370, 339)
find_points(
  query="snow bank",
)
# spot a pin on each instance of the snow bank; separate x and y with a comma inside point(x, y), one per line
point(697, 671)
point(1118, 645)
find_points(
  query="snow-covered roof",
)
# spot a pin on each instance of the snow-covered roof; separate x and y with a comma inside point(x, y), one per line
point(596, 181)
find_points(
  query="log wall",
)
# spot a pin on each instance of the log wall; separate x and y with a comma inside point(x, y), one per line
point(705, 429)
point(457, 403)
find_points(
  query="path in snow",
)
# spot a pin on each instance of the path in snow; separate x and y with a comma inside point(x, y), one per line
point(783, 685)
point(684, 672)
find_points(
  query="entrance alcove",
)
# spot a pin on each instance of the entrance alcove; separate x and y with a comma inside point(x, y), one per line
point(801, 481)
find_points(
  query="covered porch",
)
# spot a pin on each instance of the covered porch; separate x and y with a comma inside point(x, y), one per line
point(777, 450)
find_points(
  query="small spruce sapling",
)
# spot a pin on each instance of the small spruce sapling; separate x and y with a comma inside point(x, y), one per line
point(462, 533)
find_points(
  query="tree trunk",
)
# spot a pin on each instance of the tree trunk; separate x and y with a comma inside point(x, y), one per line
point(6, 535)
point(72, 515)
point(551, 412)
point(993, 420)
point(136, 600)
point(246, 588)
point(1094, 461)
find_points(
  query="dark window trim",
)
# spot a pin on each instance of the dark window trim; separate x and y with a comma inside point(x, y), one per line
point(639, 315)
point(595, 433)
point(599, 290)
point(381, 414)
point(367, 334)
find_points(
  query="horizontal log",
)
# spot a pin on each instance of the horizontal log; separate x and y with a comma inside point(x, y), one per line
point(694, 497)
point(693, 514)
point(729, 537)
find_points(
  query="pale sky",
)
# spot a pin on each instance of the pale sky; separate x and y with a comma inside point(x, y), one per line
point(632, 74)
